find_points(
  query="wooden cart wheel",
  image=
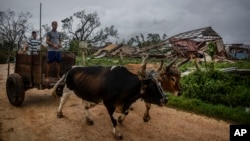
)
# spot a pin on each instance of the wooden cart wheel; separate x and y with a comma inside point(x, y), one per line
point(15, 89)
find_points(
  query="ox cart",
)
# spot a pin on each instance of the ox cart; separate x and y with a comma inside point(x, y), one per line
point(30, 73)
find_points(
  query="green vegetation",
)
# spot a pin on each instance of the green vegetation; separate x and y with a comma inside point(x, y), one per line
point(235, 115)
point(218, 88)
point(216, 94)
point(4, 48)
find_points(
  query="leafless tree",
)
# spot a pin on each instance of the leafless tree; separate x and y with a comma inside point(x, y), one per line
point(88, 29)
point(13, 27)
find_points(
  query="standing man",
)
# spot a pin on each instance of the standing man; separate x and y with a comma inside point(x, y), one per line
point(54, 41)
point(33, 45)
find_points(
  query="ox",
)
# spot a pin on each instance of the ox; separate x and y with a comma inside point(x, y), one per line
point(116, 87)
point(168, 76)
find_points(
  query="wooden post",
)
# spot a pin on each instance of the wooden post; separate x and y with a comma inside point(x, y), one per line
point(83, 58)
point(83, 45)
point(40, 54)
point(121, 56)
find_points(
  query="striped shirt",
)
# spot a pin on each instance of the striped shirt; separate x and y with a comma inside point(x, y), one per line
point(34, 46)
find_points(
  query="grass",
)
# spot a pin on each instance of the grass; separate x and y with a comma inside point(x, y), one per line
point(234, 115)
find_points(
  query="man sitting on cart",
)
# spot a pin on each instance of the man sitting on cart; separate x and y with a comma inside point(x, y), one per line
point(33, 45)
point(54, 41)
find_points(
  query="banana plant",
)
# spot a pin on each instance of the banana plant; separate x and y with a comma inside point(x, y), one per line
point(211, 51)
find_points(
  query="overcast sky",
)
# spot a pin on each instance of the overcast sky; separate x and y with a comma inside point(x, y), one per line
point(229, 18)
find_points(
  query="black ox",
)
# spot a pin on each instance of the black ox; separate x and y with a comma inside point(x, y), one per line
point(116, 87)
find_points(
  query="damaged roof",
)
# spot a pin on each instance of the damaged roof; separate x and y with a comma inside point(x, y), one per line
point(196, 40)
point(115, 49)
point(202, 34)
point(109, 48)
point(189, 41)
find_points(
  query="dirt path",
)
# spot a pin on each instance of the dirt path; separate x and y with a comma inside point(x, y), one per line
point(36, 120)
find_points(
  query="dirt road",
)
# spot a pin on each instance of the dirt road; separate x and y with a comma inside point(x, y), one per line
point(36, 120)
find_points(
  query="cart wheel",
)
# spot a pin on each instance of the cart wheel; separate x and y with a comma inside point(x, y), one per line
point(15, 89)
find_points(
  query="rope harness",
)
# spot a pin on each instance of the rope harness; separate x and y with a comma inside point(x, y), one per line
point(152, 75)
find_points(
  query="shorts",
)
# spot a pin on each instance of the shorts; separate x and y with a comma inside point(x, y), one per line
point(54, 56)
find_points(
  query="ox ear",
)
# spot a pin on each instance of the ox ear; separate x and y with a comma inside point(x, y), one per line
point(171, 63)
point(183, 62)
point(142, 72)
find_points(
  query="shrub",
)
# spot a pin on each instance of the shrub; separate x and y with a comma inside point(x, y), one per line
point(217, 88)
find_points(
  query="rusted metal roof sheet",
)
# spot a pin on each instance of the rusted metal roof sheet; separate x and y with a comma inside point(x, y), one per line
point(108, 48)
point(196, 40)
point(187, 44)
point(125, 49)
point(202, 34)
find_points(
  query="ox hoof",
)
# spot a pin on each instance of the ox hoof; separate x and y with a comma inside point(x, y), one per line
point(59, 115)
point(146, 118)
point(118, 137)
point(89, 121)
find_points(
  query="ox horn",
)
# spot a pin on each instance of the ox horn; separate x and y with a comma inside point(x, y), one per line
point(160, 67)
point(142, 71)
point(171, 63)
point(183, 62)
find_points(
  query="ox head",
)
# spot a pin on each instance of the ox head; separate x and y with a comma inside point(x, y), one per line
point(169, 77)
point(151, 90)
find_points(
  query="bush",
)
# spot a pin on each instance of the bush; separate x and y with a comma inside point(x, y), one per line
point(3, 57)
point(218, 88)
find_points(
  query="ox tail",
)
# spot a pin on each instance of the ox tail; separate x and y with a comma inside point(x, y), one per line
point(53, 92)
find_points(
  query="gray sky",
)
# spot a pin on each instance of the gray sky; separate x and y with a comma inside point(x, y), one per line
point(229, 18)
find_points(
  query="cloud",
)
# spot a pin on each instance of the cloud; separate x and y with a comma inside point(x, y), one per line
point(230, 18)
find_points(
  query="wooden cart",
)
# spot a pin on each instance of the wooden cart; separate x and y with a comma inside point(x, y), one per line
point(30, 73)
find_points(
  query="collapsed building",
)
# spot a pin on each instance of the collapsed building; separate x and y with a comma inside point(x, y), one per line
point(115, 50)
point(186, 44)
point(191, 42)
